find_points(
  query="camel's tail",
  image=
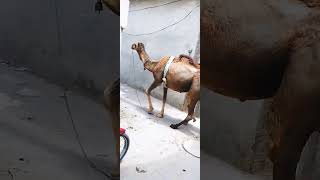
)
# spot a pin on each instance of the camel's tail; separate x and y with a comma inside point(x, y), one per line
point(190, 59)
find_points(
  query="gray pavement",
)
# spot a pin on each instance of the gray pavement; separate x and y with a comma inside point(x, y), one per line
point(38, 141)
point(36, 134)
point(156, 151)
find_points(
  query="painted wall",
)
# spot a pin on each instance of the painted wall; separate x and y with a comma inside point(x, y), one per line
point(64, 41)
point(175, 40)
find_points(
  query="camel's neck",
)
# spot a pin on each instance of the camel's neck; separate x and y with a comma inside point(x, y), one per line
point(147, 62)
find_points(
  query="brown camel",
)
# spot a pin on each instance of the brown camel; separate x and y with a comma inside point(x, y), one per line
point(267, 49)
point(183, 76)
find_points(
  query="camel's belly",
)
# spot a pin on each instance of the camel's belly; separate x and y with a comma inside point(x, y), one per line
point(243, 77)
point(180, 77)
point(238, 55)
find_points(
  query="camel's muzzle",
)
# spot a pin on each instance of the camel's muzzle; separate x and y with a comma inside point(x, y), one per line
point(134, 46)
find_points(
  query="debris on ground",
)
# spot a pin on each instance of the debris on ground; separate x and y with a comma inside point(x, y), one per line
point(153, 144)
point(140, 170)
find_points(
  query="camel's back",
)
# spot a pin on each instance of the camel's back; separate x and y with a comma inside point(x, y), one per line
point(245, 44)
point(249, 24)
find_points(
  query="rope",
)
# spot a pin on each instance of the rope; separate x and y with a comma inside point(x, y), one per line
point(92, 164)
point(166, 27)
point(184, 148)
point(134, 78)
point(150, 7)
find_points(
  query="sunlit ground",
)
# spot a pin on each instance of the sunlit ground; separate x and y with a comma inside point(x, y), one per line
point(156, 151)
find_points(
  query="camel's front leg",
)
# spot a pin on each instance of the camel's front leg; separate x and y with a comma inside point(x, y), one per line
point(164, 99)
point(148, 93)
point(288, 153)
point(297, 103)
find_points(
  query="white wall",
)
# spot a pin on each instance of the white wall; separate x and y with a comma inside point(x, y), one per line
point(175, 40)
point(64, 41)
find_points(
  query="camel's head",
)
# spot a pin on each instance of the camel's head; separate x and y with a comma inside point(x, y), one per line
point(138, 46)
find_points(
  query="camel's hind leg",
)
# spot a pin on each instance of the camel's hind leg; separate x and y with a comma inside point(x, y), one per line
point(193, 97)
point(112, 104)
point(164, 99)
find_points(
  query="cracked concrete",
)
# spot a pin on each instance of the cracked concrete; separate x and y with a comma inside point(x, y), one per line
point(38, 141)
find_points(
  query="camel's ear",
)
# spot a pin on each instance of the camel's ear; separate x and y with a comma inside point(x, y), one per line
point(134, 46)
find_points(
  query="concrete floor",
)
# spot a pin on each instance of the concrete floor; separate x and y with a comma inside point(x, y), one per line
point(156, 150)
point(38, 141)
point(36, 134)
point(212, 167)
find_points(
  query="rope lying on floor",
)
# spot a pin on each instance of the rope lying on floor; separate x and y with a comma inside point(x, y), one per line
point(92, 164)
point(185, 149)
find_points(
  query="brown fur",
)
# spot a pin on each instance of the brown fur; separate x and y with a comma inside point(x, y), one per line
point(191, 60)
point(183, 76)
point(260, 51)
point(311, 3)
point(113, 5)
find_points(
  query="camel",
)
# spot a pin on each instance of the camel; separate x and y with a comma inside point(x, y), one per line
point(267, 49)
point(254, 52)
point(183, 75)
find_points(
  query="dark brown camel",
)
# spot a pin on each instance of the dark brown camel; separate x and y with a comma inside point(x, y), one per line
point(267, 49)
point(183, 76)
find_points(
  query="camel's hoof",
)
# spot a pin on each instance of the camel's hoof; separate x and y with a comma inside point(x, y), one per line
point(150, 111)
point(159, 115)
point(174, 126)
point(194, 120)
